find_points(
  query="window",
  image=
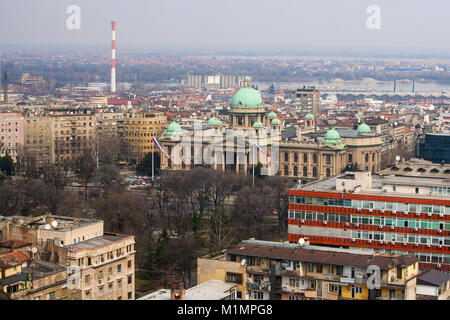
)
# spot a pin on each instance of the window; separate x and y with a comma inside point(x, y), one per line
point(130, 295)
point(119, 283)
point(100, 291)
point(87, 295)
point(417, 190)
point(328, 159)
point(305, 171)
point(129, 264)
point(130, 279)
point(328, 172)
point(87, 278)
point(110, 287)
point(119, 268)
point(294, 283)
point(358, 290)
point(234, 277)
point(51, 296)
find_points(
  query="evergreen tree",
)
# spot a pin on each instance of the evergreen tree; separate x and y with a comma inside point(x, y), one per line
point(7, 165)
point(145, 165)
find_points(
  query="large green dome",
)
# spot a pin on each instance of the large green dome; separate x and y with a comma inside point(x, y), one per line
point(363, 128)
point(332, 136)
point(309, 116)
point(173, 129)
point(246, 97)
point(213, 122)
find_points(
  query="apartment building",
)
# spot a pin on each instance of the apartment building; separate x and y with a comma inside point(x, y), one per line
point(139, 129)
point(100, 265)
point(281, 271)
point(307, 100)
point(74, 132)
point(39, 141)
point(389, 214)
point(11, 134)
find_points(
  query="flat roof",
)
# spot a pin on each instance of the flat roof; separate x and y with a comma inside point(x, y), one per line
point(209, 290)
point(329, 185)
point(96, 242)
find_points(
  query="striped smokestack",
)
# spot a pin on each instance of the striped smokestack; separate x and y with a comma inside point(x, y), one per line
point(113, 62)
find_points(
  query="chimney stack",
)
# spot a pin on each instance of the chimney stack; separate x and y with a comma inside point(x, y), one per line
point(5, 87)
point(176, 292)
point(113, 63)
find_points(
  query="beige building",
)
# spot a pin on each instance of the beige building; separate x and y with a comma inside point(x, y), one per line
point(39, 141)
point(283, 271)
point(139, 129)
point(100, 265)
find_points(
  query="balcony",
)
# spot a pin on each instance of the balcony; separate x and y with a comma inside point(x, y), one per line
point(258, 286)
point(257, 270)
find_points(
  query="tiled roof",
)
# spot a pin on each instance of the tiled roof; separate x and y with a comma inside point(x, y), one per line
point(433, 277)
point(324, 257)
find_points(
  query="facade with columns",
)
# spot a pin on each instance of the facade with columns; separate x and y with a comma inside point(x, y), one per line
point(230, 146)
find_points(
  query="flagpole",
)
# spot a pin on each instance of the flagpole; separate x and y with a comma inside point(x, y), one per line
point(253, 151)
point(153, 164)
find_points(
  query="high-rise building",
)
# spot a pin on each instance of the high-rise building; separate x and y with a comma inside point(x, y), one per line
point(307, 100)
point(389, 213)
point(11, 134)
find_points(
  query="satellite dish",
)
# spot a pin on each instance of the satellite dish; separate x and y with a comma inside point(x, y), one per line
point(397, 158)
point(34, 250)
point(54, 223)
point(47, 227)
point(301, 241)
point(243, 262)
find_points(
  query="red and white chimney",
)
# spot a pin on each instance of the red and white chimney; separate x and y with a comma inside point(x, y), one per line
point(113, 62)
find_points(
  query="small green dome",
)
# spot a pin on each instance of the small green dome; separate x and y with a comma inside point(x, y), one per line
point(272, 115)
point(363, 128)
point(276, 121)
point(332, 136)
point(246, 97)
point(213, 122)
point(257, 124)
point(309, 116)
point(173, 129)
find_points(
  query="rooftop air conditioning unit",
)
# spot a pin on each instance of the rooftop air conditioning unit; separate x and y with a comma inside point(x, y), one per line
point(394, 211)
point(347, 224)
point(440, 231)
point(416, 229)
point(392, 242)
point(428, 245)
point(370, 210)
point(353, 240)
point(325, 222)
point(438, 265)
point(441, 215)
point(429, 214)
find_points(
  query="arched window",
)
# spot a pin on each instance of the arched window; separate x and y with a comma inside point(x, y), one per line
point(295, 171)
point(305, 171)
point(373, 157)
point(314, 172)
point(315, 158)
point(286, 170)
point(286, 156)
point(295, 157)
point(350, 157)
point(367, 157)
point(305, 157)
point(328, 172)
point(328, 159)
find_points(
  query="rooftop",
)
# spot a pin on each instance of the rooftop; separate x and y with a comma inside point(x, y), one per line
point(40, 269)
point(323, 256)
point(209, 290)
point(433, 277)
point(105, 239)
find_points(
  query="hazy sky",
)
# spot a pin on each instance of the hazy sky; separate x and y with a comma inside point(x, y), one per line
point(412, 26)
